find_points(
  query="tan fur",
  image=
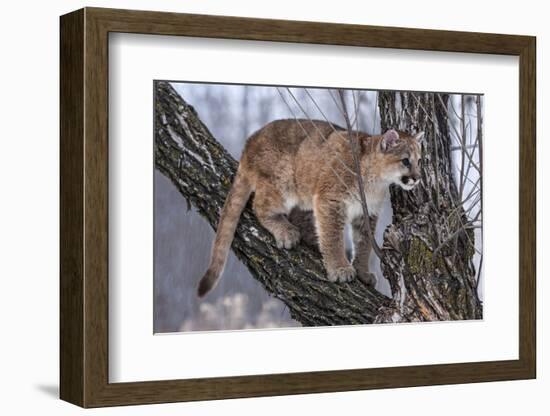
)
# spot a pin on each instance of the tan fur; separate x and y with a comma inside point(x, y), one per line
point(306, 164)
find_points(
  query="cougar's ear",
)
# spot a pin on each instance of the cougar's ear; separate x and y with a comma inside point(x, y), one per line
point(419, 137)
point(389, 140)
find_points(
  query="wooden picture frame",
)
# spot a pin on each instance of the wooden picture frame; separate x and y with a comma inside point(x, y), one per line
point(84, 207)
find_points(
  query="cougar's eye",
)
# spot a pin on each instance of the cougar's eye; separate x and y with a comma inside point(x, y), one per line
point(406, 162)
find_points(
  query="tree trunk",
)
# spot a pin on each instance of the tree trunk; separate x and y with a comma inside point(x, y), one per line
point(202, 171)
point(427, 286)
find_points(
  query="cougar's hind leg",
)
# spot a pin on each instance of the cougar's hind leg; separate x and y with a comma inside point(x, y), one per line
point(305, 222)
point(269, 206)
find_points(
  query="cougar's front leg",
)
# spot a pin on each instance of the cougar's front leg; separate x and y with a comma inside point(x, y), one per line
point(362, 248)
point(330, 217)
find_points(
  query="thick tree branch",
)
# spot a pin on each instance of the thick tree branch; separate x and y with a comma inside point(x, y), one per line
point(202, 171)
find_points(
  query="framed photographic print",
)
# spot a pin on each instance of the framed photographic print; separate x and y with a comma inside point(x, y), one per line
point(261, 207)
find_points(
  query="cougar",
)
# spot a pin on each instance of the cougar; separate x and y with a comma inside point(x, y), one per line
point(308, 164)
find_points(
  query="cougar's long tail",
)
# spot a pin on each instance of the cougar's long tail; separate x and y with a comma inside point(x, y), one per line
point(234, 206)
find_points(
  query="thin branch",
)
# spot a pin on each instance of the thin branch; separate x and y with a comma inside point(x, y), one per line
point(354, 145)
point(469, 146)
point(342, 112)
point(325, 139)
point(436, 154)
point(307, 134)
point(452, 237)
point(322, 113)
point(480, 156)
point(462, 154)
point(457, 133)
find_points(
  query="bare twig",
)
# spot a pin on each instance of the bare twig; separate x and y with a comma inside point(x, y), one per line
point(342, 163)
point(469, 146)
point(464, 150)
point(355, 154)
point(435, 153)
point(340, 110)
point(466, 163)
point(479, 142)
point(324, 139)
point(457, 134)
point(464, 228)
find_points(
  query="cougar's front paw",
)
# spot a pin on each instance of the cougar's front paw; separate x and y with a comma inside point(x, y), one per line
point(341, 274)
point(367, 278)
point(287, 237)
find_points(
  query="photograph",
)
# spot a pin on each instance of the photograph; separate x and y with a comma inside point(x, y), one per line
point(306, 206)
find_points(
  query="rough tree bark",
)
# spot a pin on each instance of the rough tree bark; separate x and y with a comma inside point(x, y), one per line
point(425, 286)
point(202, 171)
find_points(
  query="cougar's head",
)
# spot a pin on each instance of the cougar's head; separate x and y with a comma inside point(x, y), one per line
point(399, 157)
